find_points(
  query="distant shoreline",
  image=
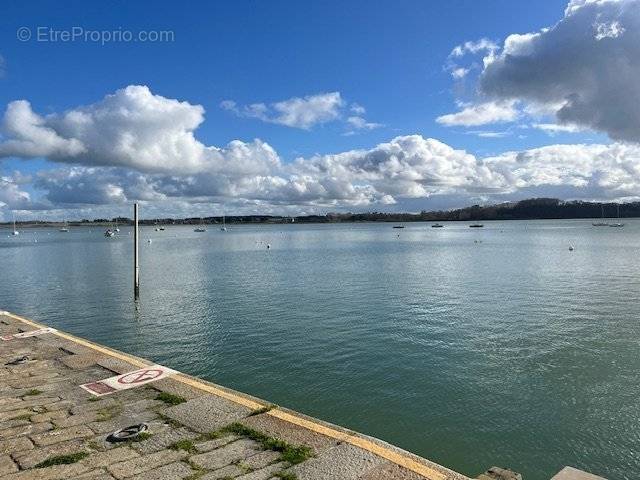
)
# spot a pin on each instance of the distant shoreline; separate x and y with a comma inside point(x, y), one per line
point(153, 224)
point(531, 209)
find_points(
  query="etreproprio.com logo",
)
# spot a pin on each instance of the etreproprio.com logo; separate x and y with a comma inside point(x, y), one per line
point(43, 34)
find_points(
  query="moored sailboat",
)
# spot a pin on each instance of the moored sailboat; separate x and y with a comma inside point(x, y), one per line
point(617, 224)
point(200, 228)
point(602, 223)
point(15, 232)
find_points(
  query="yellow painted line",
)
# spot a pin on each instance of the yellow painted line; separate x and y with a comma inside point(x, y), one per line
point(363, 443)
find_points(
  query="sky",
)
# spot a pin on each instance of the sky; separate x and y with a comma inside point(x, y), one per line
point(283, 107)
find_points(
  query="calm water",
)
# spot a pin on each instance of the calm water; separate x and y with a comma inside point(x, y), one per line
point(511, 351)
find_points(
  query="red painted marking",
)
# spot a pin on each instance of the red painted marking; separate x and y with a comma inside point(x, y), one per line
point(99, 388)
point(140, 376)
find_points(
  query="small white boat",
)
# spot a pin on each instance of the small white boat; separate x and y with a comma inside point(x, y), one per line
point(200, 228)
point(15, 232)
point(64, 228)
point(571, 249)
point(224, 225)
point(116, 229)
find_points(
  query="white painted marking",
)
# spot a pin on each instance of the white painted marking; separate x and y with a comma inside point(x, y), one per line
point(128, 380)
point(32, 333)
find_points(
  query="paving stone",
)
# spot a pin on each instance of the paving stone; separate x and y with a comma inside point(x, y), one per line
point(109, 457)
point(264, 473)
point(116, 365)
point(389, 470)
point(223, 456)
point(261, 460)
point(57, 436)
point(13, 414)
point(571, 473)
point(56, 472)
point(16, 422)
point(34, 401)
point(71, 347)
point(82, 360)
point(33, 382)
point(344, 462)
point(207, 413)
point(225, 472)
point(30, 458)
point(92, 406)
point(28, 429)
point(7, 465)
point(163, 440)
point(61, 405)
point(173, 471)
point(288, 432)
point(48, 416)
point(34, 368)
point(145, 463)
point(73, 420)
point(15, 445)
point(176, 387)
point(9, 400)
point(96, 475)
point(213, 444)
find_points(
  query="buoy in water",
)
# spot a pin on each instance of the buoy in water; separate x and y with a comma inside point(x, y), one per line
point(268, 246)
point(571, 248)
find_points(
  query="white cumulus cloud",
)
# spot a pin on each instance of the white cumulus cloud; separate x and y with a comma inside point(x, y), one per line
point(481, 114)
point(592, 77)
point(583, 70)
point(297, 112)
point(136, 146)
point(305, 112)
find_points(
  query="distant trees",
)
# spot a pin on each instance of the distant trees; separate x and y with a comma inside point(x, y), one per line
point(532, 208)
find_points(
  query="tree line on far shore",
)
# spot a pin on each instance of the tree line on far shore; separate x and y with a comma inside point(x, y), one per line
point(530, 209)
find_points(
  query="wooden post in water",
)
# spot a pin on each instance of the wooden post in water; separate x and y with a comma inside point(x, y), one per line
point(136, 266)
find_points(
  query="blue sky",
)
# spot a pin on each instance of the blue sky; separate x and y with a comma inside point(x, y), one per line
point(390, 63)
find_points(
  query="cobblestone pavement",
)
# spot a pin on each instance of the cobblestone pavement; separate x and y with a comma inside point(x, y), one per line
point(50, 428)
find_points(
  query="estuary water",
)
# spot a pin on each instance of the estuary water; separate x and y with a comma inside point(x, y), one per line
point(471, 347)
